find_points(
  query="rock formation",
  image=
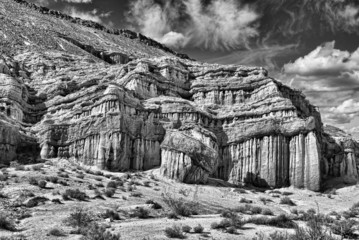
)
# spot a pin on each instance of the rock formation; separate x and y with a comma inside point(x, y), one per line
point(74, 89)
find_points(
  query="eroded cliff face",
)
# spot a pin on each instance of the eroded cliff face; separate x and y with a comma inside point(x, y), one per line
point(63, 98)
point(342, 155)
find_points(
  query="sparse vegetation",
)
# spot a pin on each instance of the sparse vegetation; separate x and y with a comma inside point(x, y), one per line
point(95, 231)
point(140, 212)
point(6, 223)
point(74, 194)
point(42, 184)
point(110, 192)
point(79, 218)
point(155, 205)
point(198, 229)
point(57, 232)
point(180, 206)
point(174, 232)
point(287, 201)
point(281, 221)
point(186, 228)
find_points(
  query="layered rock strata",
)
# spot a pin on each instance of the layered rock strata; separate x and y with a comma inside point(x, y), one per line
point(87, 94)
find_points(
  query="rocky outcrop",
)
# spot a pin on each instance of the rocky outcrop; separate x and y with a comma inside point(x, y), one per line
point(108, 101)
point(342, 155)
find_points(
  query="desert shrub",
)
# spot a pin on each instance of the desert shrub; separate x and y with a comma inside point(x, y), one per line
point(94, 231)
point(20, 167)
point(186, 228)
point(42, 184)
point(172, 215)
point(256, 210)
point(3, 195)
point(63, 183)
point(155, 205)
point(33, 181)
point(57, 232)
point(98, 194)
point(174, 232)
point(37, 167)
point(267, 211)
point(180, 206)
point(314, 230)
point(6, 222)
point(3, 177)
point(198, 229)
point(264, 200)
point(65, 196)
point(98, 173)
point(79, 218)
point(345, 228)
point(108, 176)
point(243, 209)
point(287, 201)
point(136, 194)
point(99, 185)
point(110, 192)
point(311, 211)
point(109, 213)
point(147, 183)
point(81, 176)
point(244, 200)
point(52, 179)
point(75, 194)
point(98, 179)
point(111, 184)
point(231, 230)
point(294, 211)
point(231, 220)
point(63, 175)
point(140, 212)
point(281, 221)
point(355, 205)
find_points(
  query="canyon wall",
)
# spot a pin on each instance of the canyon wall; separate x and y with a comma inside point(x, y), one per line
point(120, 103)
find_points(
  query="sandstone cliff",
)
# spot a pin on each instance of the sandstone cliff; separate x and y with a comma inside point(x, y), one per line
point(119, 101)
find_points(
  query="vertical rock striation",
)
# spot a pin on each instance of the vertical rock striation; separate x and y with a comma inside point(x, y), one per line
point(75, 90)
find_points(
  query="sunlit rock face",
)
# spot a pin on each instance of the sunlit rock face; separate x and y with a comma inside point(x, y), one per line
point(119, 102)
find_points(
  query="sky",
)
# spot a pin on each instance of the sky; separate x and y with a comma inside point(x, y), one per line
point(310, 45)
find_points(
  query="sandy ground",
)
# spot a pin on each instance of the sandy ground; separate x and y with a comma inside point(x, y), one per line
point(211, 198)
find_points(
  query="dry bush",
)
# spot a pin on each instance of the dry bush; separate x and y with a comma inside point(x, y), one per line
point(180, 206)
point(281, 221)
point(75, 194)
point(174, 232)
point(6, 222)
point(94, 231)
point(287, 201)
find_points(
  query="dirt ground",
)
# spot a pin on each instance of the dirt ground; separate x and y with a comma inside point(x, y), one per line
point(212, 198)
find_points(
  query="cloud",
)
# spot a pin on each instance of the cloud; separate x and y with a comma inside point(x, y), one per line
point(220, 24)
point(233, 24)
point(325, 60)
point(330, 78)
point(93, 15)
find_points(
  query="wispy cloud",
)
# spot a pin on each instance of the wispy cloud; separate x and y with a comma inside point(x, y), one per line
point(233, 24)
point(221, 24)
point(93, 15)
